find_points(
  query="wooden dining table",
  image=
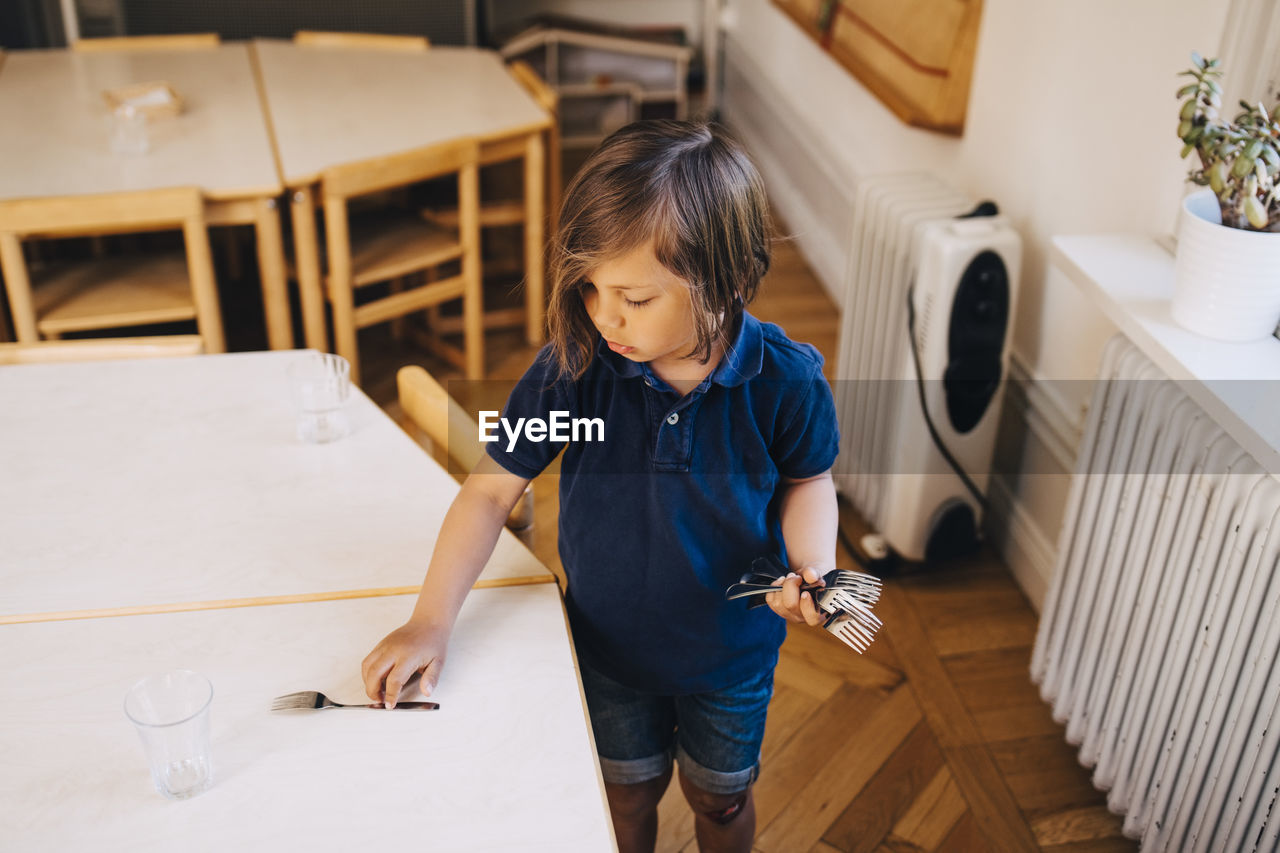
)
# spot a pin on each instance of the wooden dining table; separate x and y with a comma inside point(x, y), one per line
point(161, 514)
point(266, 117)
point(329, 106)
point(54, 141)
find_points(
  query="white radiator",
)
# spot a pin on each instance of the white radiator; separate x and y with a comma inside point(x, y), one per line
point(1159, 637)
point(905, 232)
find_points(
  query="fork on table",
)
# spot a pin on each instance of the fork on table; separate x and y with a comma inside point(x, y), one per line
point(313, 700)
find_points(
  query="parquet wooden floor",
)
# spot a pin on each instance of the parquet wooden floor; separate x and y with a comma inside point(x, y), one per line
point(935, 740)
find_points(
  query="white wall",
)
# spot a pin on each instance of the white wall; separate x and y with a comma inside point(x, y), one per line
point(1070, 129)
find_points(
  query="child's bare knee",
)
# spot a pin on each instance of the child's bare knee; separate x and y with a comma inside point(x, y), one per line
point(718, 808)
point(636, 800)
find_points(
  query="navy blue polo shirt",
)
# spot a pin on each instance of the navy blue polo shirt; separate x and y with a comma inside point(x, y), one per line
point(675, 502)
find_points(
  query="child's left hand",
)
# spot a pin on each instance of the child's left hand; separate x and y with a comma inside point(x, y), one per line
point(792, 604)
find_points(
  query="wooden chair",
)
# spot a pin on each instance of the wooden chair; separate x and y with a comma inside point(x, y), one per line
point(390, 245)
point(115, 292)
point(100, 349)
point(6, 331)
point(181, 41)
point(427, 406)
point(547, 98)
point(508, 212)
point(369, 41)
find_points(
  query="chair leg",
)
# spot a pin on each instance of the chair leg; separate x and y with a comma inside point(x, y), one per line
point(339, 285)
point(204, 288)
point(473, 293)
point(344, 333)
point(534, 234)
point(306, 252)
point(271, 272)
point(398, 323)
point(344, 321)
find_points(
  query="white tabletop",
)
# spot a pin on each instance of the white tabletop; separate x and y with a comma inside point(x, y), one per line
point(141, 483)
point(330, 106)
point(54, 136)
point(506, 763)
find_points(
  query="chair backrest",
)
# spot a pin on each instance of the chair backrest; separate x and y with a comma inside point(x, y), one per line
point(181, 41)
point(537, 88)
point(142, 210)
point(428, 405)
point(368, 41)
point(145, 210)
point(100, 349)
point(397, 170)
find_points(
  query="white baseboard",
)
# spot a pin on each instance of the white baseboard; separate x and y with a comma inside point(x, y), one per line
point(1048, 415)
point(1026, 550)
point(1027, 541)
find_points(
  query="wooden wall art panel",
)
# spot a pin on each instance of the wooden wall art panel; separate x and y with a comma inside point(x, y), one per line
point(915, 55)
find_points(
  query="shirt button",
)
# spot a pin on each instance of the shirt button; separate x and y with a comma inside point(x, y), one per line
point(673, 417)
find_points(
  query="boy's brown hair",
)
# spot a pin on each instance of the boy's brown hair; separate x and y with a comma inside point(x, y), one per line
point(690, 188)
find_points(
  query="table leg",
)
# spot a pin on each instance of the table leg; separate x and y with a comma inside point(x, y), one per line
point(275, 287)
point(14, 267)
point(534, 237)
point(306, 250)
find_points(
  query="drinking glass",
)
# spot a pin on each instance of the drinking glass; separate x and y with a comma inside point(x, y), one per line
point(320, 383)
point(171, 714)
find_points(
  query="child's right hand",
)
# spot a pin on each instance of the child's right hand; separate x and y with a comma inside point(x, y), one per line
point(406, 651)
point(791, 603)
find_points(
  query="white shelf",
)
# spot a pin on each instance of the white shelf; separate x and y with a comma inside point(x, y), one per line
point(1131, 279)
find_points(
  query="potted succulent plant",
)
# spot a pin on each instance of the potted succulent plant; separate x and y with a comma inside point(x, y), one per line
point(1228, 259)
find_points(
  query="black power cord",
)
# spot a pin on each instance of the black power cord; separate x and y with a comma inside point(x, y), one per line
point(924, 407)
point(854, 551)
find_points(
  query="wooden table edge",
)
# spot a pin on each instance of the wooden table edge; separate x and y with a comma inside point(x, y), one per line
point(264, 105)
point(312, 179)
point(259, 601)
point(233, 194)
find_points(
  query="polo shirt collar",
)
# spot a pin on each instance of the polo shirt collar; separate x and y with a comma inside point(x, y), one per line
point(742, 360)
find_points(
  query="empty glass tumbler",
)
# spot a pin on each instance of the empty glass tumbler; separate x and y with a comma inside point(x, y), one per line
point(171, 713)
point(320, 383)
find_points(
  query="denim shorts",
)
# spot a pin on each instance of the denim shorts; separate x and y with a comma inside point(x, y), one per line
point(715, 736)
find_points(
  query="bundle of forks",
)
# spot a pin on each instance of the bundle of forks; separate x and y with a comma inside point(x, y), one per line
point(845, 596)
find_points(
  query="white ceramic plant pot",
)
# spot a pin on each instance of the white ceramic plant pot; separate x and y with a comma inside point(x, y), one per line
point(1227, 285)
